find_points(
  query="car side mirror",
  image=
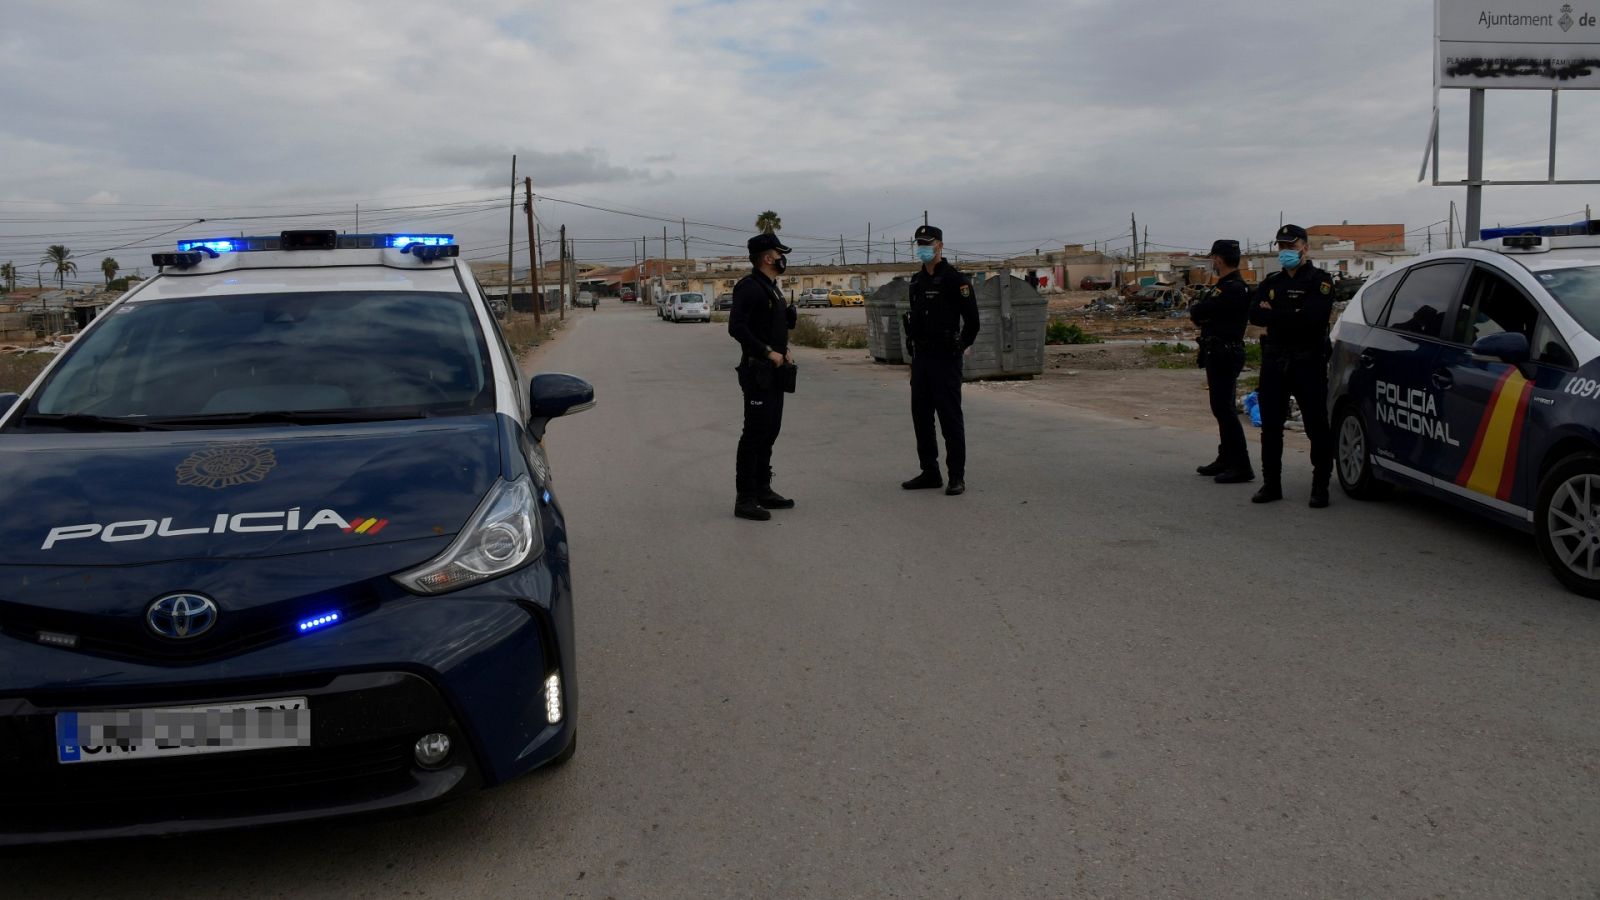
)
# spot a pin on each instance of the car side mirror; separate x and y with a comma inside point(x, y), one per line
point(1508, 347)
point(7, 400)
point(551, 396)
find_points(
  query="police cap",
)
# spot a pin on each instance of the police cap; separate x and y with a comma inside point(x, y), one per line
point(927, 234)
point(1291, 233)
point(765, 241)
point(1224, 248)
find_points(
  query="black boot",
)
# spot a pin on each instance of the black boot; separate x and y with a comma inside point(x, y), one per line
point(1319, 492)
point(747, 507)
point(1271, 489)
point(1215, 467)
point(957, 487)
point(771, 499)
point(923, 482)
point(1236, 475)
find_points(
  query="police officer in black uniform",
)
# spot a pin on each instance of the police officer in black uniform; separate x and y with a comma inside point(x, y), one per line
point(1222, 311)
point(760, 321)
point(941, 324)
point(1294, 305)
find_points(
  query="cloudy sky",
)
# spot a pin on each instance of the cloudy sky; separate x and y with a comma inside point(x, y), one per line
point(1017, 123)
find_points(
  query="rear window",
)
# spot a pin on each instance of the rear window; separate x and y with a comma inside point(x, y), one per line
point(692, 298)
point(1376, 297)
point(1578, 292)
point(417, 353)
point(1424, 298)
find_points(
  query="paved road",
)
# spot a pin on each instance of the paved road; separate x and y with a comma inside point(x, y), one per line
point(1093, 675)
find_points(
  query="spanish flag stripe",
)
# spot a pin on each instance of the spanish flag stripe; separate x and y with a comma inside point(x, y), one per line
point(368, 523)
point(378, 527)
point(1508, 475)
point(1465, 474)
point(1503, 420)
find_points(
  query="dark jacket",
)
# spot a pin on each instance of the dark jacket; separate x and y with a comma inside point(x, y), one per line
point(760, 320)
point(944, 311)
point(1223, 313)
point(1300, 306)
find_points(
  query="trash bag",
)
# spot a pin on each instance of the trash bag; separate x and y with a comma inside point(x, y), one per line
point(1252, 407)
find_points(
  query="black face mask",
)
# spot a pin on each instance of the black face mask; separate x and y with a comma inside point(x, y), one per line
point(781, 263)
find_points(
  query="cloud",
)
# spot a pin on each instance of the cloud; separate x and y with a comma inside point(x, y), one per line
point(559, 169)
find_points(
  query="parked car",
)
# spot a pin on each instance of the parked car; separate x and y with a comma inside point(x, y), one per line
point(241, 592)
point(628, 296)
point(1473, 375)
point(1094, 283)
point(725, 301)
point(816, 296)
point(688, 307)
point(845, 297)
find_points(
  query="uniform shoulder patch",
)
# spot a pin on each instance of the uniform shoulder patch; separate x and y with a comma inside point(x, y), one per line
point(1327, 287)
point(966, 290)
point(1272, 295)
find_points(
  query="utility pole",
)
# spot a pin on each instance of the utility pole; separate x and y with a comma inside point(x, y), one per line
point(685, 224)
point(841, 251)
point(1133, 251)
point(358, 218)
point(538, 301)
point(563, 303)
point(511, 227)
point(924, 217)
point(572, 270)
point(1450, 228)
point(869, 243)
point(665, 253)
point(533, 254)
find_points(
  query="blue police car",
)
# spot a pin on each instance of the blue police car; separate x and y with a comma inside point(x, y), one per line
point(1474, 375)
point(280, 543)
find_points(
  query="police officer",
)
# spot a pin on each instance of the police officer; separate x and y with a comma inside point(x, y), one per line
point(1294, 305)
point(760, 321)
point(941, 324)
point(1222, 311)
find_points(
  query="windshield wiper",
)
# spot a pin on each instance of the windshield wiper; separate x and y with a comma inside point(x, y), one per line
point(86, 422)
point(289, 417)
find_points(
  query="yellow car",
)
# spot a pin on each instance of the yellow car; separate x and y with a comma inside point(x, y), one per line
point(845, 297)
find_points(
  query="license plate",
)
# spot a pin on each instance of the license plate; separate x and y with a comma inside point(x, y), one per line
point(114, 734)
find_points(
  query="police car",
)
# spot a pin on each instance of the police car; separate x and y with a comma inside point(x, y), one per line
point(1474, 375)
point(280, 543)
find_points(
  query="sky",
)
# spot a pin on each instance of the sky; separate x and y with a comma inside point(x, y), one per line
point(1017, 124)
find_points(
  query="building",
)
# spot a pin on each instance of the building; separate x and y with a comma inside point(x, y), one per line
point(1373, 238)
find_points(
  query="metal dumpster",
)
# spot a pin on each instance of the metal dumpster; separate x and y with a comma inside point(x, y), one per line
point(883, 321)
point(1011, 325)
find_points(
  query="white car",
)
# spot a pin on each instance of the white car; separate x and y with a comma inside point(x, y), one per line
point(688, 307)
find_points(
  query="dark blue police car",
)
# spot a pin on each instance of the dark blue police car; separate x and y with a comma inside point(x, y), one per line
point(280, 543)
point(1475, 375)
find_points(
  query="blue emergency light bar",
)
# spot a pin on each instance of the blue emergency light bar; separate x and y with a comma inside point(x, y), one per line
point(1576, 229)
point(315, 240)
point(317, 623)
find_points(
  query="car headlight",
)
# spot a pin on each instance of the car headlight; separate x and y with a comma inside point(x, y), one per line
point(501, 536)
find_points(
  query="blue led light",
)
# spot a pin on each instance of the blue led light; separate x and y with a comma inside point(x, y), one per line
point(399, 241)
point(322, 621)
point(220, 245)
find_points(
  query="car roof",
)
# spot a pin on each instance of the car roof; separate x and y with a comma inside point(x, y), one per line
point(293, 277)
point(1559, 258)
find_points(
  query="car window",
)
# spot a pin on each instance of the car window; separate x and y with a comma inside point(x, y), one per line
point(1377, 297)
point(1424, 297)
point(1493, 305)
point(1578, 292)
point(1548, 346)
point(692, 298)
point(416, 351)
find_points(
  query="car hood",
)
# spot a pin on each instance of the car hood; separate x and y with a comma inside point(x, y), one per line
point(119, 499)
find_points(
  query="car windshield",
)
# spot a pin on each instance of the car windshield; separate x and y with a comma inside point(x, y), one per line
point(347, 355)
point(692, 298)
point(1578, 292)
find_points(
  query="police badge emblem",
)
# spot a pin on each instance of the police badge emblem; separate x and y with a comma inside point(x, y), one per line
point(1327, 288)
point(227, 465)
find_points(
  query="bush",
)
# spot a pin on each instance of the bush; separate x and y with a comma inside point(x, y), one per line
point(1170, 356)
point(1059, 332)
point(522, 335)
point(1252, 354)
point(17, 370)
point(807, 333)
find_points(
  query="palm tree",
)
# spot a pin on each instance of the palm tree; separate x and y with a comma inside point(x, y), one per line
point(60, 257)
point(8, 274)
point(109, 267)
point(768, 222)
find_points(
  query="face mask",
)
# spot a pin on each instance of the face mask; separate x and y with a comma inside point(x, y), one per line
point(925, 253)
point(1289, 259)
point(781, 263)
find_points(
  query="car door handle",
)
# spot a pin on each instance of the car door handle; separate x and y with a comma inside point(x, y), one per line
point(1368, 360)
point(1443, 380)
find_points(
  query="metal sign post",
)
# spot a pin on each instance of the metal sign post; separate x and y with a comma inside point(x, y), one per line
point(1517, 45)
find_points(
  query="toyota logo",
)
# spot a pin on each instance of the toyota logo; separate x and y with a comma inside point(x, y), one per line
point(181, 616)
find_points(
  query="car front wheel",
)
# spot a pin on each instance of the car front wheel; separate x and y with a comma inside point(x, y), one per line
point(1354, 457)
point(1567, 521)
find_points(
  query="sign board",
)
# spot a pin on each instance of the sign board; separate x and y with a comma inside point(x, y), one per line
point(1525, 44)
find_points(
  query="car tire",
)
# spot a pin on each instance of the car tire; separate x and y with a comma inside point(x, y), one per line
point(1566, 522)
point(1352, 451)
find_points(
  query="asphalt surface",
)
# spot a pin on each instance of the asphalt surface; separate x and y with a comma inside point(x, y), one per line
point(1095, 674)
